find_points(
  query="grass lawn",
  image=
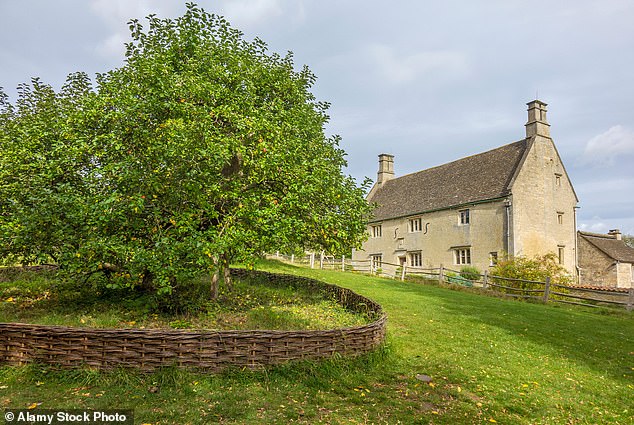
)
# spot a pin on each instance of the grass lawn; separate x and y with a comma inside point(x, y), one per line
point(490, 361)
point(39, 297)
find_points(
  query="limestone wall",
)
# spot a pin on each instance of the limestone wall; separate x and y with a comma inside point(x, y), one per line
point(544, 206)
point(596, 267)
point(624, 275)
point(440, 234)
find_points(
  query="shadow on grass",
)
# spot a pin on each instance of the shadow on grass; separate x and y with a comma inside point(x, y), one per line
point(602, 340)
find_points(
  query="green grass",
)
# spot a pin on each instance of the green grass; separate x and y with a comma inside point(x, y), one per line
point(490, 359)
point(43, 298)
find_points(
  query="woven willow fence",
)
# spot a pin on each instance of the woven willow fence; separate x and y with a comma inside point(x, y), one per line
point(150, 349)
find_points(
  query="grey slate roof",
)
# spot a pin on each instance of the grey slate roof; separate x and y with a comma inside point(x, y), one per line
point(476, 178)
point(612, 247)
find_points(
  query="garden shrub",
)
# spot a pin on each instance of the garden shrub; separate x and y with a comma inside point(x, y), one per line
point(535, 269)
point(470, 272)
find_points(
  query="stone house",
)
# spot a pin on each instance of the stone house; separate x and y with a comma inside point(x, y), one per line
point(605, 260)
point(515, 199)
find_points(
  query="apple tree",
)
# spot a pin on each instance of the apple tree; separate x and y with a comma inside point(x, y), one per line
point(202, 149)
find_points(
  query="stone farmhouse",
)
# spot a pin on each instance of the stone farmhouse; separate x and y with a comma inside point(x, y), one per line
point(605, 260)
point(515, 199)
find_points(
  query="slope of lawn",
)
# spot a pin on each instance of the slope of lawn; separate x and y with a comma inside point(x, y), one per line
point(490, 360)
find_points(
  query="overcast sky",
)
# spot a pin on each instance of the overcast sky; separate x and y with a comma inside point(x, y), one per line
point(428, 81)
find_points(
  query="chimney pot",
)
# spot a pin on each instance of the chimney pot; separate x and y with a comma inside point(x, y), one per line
point(386, 168)
point(616, 233)
point(537, 123)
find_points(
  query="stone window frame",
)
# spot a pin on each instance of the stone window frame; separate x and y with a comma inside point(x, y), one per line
point(376, 261)
point(415, 258)
point(462, 255)
point(493, 258)
point(415, 225)
point(464, 217)
point(561, 250)
point(376, 231)
point(560, 217)
point(558, 179)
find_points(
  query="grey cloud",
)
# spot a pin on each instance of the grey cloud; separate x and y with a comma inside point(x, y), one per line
point(607, 148)
point(428, 81)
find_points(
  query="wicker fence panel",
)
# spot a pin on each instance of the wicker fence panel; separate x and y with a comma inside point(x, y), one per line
point(149, 349)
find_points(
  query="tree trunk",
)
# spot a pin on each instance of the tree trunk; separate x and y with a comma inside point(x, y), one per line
point(215, 277)
point(227, 273)
point(147, 283)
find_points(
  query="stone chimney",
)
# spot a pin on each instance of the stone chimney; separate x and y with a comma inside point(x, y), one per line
point(616, 233)
point(386, 168)
point(537, 123)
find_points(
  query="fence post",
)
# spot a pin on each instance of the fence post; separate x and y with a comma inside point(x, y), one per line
point(485, 279)
point(630, 299)
point(312, 260)
point(321, 260)
point(404, 266)
point(292, 258)
point(441, 274)
point(343, 263)
point(547, 289)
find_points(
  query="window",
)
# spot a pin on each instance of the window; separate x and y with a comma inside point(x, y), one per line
point(377, 261)
point(415, 225)
point(401, 242)
point(464, 216)
point(557, 179)
point(376, 231)
point(561, 254)
point(415, 259)
point(493, 258)
point(462, 256)
point(560, 218)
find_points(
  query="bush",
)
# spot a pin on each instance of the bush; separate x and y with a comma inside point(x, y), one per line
point(535, 269)
point(457, 279)
point(470, 272)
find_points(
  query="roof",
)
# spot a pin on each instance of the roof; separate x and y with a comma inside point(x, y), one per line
point(607, 289)
point(482, 177)
point(609, 245)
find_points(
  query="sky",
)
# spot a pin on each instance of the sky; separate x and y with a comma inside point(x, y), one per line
point(427, 81)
